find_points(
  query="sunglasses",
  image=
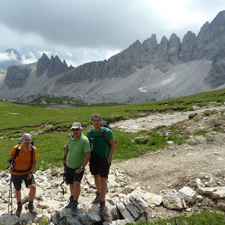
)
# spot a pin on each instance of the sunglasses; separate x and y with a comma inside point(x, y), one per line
point(75, 129)
point(96, 115)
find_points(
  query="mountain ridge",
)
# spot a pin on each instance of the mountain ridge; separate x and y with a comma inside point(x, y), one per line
point(153, 67)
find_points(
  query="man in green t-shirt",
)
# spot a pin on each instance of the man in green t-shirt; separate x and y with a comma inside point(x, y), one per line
point(76, 157)
point(101, 156)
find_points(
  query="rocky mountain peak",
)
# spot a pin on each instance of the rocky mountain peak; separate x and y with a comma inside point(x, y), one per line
point(13, 51)
point(14, 58)
point(42, 65)
point(174, 48)
point(54, 66)
point(16, 76)
point(187, 46)
point(162, 51)
point(217, 26)
point(150, 44)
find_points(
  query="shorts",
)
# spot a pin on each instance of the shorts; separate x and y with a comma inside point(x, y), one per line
point(72, 177)
point(99, 165)
point(18, 179)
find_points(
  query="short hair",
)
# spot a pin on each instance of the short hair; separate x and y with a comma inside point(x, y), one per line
point(96, 115)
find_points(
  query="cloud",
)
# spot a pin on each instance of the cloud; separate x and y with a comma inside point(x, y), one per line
point(5, 56)
point(29, 58)
point(95, 29)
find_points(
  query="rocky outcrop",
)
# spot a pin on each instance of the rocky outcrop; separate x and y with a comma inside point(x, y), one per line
point(56, 67)
point(53, 66)
point(174, 49)
point(162, 51)
point(216, 75)
point(42, 65)
point(16, 76)
point(124, 203)
point(187, 47)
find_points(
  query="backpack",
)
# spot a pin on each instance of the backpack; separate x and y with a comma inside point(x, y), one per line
point(17, 153)
point(105, 125)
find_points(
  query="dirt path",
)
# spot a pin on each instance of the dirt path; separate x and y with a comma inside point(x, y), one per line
point(154, 120)
point(175, 166)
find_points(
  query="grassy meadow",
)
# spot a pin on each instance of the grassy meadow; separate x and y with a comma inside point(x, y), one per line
point(50, 126)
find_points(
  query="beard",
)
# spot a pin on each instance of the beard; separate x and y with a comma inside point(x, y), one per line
point(26, 144)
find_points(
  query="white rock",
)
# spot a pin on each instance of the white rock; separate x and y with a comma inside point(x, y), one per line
point(172, 201)
point(120, 222)
point(152, 199)
point(8, 219)
point(206, 191)
point(188, 194)
point(218, 193)
point(135, 204)
point(93, 216)
point(124, 212)
point(199, 183)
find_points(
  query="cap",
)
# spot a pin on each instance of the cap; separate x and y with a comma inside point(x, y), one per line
point(26, 135)
point(76, 125)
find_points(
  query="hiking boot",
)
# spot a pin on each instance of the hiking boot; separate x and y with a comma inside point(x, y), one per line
point(102, 207)
point(97, 198)
point(69, 205)
point(19, 209)
point(31, 209)
point(74, 208)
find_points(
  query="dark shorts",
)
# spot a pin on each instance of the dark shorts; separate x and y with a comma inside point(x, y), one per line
point(18, 179)
point(71, 176)
point(99, 165)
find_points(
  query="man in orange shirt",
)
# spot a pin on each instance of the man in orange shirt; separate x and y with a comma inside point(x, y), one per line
point(24, 156)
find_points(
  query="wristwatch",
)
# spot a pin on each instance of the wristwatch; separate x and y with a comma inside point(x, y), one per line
point(82, 167)
point(110, 157)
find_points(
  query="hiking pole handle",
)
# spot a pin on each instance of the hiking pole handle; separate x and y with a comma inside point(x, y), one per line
point(11, 165)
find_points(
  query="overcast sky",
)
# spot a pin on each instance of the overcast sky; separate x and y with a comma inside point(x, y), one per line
point(92, 30)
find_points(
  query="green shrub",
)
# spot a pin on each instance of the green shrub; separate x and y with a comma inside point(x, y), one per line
point(200, 132)
point(217, 124)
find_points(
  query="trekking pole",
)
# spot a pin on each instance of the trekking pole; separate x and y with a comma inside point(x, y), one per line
point(64, 179)
point(10, 189)
point(64, 172)
point(62, 149)
point(10, 194)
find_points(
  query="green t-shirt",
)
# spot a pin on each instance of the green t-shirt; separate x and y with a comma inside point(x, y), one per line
point(77, 151)
point(100, 147)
